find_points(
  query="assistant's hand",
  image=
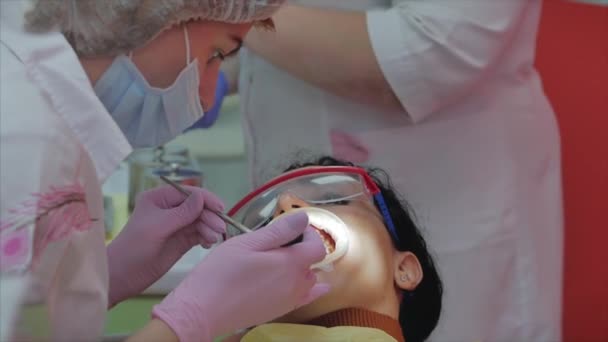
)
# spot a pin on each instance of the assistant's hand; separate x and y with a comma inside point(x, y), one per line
point(164, 225)
point(245, 281)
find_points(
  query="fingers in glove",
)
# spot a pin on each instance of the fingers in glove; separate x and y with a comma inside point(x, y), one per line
point(207, 235)
point(204, 243)
point(164, 197)
point(276, 234)
point(213, 222)
point(310, 251)
point(212, 201)
point(187, 212)
point(167, 197)
point(192, 237)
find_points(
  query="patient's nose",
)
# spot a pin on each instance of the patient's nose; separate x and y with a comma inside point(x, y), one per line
point(288, 202)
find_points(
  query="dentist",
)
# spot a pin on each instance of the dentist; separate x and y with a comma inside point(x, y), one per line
point(82, 84)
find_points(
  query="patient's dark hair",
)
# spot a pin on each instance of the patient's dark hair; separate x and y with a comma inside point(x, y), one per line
point(420, 309)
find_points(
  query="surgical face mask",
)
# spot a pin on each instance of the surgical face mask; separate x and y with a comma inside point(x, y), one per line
point(150, 116)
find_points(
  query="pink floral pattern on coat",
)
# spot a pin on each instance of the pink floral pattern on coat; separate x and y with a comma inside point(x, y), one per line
point(39, 221)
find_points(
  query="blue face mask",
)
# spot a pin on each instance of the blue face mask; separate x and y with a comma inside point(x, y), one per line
point(150, 116)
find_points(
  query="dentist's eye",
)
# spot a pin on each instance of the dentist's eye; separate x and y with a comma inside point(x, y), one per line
point(217, 55)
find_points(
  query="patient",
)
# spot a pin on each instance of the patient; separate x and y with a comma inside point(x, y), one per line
point(384, 283)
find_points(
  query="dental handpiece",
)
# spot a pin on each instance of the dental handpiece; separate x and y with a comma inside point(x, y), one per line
point(223, 216)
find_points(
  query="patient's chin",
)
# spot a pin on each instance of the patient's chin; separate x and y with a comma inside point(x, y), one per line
point(324, 305)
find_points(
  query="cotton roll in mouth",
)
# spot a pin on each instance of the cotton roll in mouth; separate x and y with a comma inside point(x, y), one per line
point(329, 227)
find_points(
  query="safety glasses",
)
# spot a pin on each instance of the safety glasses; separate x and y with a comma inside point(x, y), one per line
point(315, 186)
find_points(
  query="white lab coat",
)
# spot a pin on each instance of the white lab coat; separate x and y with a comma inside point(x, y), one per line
point(477, 154)
point(58, 144)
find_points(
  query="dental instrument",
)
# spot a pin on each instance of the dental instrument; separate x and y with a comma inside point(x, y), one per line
point(223, 216)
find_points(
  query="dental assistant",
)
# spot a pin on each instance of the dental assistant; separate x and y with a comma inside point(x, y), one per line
point(82, 84)
point(444, 95)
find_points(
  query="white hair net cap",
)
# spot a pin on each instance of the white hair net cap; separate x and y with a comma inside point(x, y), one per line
point(112, 27)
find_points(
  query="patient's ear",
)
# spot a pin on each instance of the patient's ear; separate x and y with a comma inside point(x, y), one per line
point(408, 272)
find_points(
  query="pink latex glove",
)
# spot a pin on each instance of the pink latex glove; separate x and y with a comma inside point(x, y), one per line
point(246, 281)
point(163, 227)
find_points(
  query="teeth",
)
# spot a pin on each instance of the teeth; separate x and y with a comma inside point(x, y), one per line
point(328, 239)
point(330, 224)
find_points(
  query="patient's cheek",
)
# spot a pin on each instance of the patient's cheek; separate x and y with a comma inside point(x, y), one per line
point(370, 250)
point(365, 269)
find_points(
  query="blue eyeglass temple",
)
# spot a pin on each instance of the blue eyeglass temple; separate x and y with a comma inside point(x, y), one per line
point(387, 216)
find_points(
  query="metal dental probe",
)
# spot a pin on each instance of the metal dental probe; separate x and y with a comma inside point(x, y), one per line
point(223, 216)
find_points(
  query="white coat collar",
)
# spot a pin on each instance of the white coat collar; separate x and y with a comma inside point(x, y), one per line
point(53, 65)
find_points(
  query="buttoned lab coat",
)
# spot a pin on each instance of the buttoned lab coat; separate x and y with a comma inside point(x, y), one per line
point(57, 145)
point(476, 151)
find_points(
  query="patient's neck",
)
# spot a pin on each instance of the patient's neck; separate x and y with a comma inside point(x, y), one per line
point(360, 318)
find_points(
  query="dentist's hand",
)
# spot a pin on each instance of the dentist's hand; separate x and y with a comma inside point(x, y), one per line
point(246, 281)
point(163, 227)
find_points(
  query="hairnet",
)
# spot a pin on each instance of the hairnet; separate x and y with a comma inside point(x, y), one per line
point(112, 27)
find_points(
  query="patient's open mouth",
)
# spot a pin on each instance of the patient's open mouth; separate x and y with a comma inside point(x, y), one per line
point(333, 233)
point(328, 240)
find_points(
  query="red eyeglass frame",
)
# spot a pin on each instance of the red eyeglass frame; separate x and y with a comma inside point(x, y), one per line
point(369, 183)
point(372, 187)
